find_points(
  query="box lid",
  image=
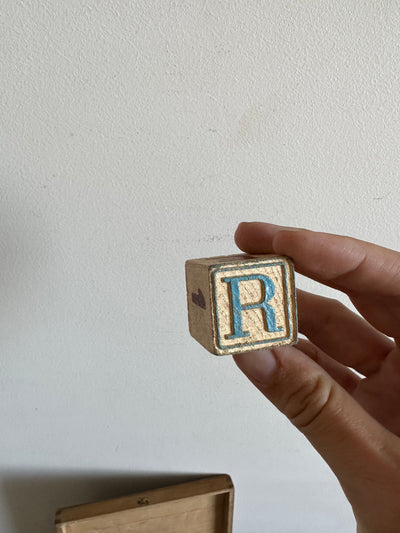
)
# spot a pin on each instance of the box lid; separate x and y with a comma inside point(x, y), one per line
point(203, 506)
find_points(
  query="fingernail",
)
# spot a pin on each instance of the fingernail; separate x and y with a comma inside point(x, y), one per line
point(271, 227)
point(259, 365)
point(243, 224)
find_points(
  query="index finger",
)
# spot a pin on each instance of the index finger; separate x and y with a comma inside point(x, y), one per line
point(368, 273)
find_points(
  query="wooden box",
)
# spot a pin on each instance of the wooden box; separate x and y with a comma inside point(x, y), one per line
point(203, 506)
point(241, 302)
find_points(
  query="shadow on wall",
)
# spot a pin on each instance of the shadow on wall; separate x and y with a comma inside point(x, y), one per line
point(32, 498)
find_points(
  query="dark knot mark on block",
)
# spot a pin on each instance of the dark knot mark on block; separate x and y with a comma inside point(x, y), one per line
point(198, 299)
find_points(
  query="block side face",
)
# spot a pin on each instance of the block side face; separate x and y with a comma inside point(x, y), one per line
point(199, 303)
point(255, 305)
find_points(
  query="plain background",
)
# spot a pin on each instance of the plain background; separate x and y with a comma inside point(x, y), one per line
point(135, 135)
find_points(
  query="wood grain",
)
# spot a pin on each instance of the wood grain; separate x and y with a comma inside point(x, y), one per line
point(203, 506)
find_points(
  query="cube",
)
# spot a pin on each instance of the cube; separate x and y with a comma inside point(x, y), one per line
point(240, 303)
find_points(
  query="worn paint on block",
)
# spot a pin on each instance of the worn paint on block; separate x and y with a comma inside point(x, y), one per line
point(248, 302)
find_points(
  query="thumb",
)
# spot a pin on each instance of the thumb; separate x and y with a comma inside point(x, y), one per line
point(345, 435)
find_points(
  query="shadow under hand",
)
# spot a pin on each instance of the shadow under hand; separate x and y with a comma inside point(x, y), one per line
point(33, 497)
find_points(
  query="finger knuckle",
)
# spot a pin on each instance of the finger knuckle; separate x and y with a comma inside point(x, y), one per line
point(328, 315)
point(308, 404)
point(335, 309)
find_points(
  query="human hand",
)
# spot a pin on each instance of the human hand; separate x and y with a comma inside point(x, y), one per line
point(353, 422)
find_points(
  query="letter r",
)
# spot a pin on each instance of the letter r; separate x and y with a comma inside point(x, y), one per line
point(268, 288)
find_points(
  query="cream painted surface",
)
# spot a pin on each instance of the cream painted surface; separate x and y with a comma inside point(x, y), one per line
point(251, 292)
point(135, 135)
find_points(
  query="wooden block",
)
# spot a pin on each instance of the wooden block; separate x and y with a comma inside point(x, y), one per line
point(203, 506)
point(240, 303)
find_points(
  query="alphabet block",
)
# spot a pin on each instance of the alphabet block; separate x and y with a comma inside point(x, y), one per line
point(240, 303)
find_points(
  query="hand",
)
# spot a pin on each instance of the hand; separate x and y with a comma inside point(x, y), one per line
point(353, 422)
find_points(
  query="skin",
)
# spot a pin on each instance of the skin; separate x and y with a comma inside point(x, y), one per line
point(353, 422)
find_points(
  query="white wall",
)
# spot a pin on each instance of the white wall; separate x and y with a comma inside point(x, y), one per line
point(135, 135)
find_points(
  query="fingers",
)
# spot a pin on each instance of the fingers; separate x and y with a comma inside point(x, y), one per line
point(345, 435)
point(341, 334)
point(346, 378)
point(363, 270)
point(380, 394)
point(343, 262)
point(257, 237)
point(362, 453)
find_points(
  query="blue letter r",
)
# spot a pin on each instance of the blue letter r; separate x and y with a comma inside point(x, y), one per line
point(238, 307)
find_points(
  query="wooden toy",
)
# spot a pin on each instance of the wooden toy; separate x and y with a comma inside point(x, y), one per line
point(242, 302)
point(203, 506)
